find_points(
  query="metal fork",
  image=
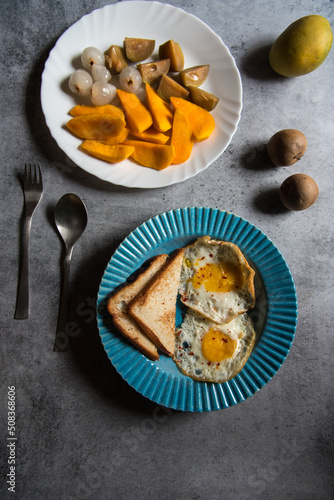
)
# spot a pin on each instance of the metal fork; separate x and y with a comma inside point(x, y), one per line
point(33, 192)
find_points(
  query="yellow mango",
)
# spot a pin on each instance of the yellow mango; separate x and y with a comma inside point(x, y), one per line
point(302, 47)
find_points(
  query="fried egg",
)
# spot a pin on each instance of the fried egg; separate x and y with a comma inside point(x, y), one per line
point(212, 352)
point(216, 280)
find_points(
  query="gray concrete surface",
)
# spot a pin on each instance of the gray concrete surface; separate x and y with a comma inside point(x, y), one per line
point(82, 432)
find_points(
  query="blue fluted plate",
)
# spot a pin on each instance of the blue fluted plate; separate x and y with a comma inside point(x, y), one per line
point(274, 315)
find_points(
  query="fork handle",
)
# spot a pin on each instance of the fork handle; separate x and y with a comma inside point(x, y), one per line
point(22, 303)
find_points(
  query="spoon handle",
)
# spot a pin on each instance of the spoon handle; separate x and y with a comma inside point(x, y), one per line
point(63, 324)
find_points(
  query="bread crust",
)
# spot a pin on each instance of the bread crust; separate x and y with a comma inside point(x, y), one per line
point(154, 308)
point(118, 303)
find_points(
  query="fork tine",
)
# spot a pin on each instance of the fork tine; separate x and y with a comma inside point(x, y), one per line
point(26, 175)
point(40, 182)
point(33, 174)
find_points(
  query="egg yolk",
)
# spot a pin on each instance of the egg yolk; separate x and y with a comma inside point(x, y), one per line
point(218, 278)
point(217, 346)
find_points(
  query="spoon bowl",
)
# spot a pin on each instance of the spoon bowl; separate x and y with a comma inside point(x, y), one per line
point(71, 220)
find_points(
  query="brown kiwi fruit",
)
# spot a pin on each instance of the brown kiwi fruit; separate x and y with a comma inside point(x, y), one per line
point(298, 192)
point(286, 147)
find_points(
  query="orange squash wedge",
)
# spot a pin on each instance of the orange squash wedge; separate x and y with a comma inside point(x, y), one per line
point(137, 116)
point(96, 126)
point(156, 156)
point(200, 121)
point(161, 111)
point(110, 153)
point(82, 109)
point(152, 135)
point(118, 139)
point(181, 137)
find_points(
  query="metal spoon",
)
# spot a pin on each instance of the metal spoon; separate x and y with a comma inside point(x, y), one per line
point(71, 221)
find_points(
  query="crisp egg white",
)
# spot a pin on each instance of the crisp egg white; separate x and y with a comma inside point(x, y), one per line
point(216, 280)
point(212, 352)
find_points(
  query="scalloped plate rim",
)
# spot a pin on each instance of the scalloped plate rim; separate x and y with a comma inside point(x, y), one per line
point(132, 175)
point(248, 371)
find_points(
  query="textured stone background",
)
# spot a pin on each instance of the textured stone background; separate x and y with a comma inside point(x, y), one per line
point(82, 431)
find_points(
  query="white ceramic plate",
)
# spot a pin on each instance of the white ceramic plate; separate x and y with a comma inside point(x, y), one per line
point(141, 19)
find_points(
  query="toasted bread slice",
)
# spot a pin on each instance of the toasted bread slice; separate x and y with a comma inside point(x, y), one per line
point(154, 308)
point(117, 307)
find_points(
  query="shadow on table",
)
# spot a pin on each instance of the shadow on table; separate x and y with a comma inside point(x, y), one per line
point(34, 112)
point(255, 157)
point(268, 201)
point(255, 63)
